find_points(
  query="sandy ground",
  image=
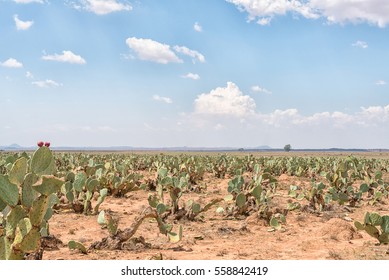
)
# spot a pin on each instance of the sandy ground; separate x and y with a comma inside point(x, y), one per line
point(305, 236)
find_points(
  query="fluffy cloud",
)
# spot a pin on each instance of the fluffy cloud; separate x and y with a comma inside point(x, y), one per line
point(280, 118)
point(373, 115)
point(12, 63)
point(260, 90)
point(191, 53)
point(360, 44)
point(265, 10)
point(150, 50)
point(147, 49)
point(366, 117)
point(340, 11)
point(264, 21)
point(191, 76)
point(334, 11)
point(228, 101)
point(46, 84)
point(162, 99)
point(227, 117)
point(197, 27)
point(212, 108)
point(66, 56)
point(22, 25)
point(102, 7)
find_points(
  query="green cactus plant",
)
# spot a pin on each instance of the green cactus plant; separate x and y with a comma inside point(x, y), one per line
point(27, 195)
point(276, 222)
point(74, 245)
point(9, 193)
point(194, 209)
point(106, 220)
point(370, 224)
point(103, 194)
point(81, 187)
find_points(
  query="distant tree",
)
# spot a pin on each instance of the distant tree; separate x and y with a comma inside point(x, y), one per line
point(287, 148)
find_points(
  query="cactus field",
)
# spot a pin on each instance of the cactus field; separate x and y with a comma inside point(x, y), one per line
point(175, 206)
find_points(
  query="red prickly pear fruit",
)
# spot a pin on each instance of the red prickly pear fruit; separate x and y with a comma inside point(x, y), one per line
point(40, 143)
point(47, 144)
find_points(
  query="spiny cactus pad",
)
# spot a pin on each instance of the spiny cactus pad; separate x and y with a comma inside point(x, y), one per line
point(28, 193)
point(31, 241)
point(38, 210)
point(41, 160)
point(79, 181)
point(13, 218)
point(18, 171)
point(9, 193)
point(74, 245)
point(48, 185)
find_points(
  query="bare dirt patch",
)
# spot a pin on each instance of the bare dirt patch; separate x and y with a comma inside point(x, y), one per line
point(306, 235)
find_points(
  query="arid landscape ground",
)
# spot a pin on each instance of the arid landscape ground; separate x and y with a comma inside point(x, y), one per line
point(306, 235)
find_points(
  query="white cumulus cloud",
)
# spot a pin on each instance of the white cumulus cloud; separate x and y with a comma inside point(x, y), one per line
point(162, 99)
point(191, 76)
point(191, 53)
point(280, 117)
point(66, 56)
point(340, 11)
point(12, 63)
point(150, 50)
point(225, 101)
point(265, 10)
point(216, 106)
point(264, 21)
point(366, 117)
point(260, 90)
point(102, 7)
point(334, 11)
point(46, 84)
point(22, 25)
point(197, 27)
point(360, 44)
point(373, 115)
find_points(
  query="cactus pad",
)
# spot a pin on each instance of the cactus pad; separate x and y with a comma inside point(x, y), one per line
point(18, 171)
point(13, 218)
point(28, 194)
point(38, 210)
point(41, 160)
point(74, 245)
point(9, 193)
point(240, 200)
point(31, 242)
point(48, 185)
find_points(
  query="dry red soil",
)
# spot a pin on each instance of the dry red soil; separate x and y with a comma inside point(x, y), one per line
point(306, 235)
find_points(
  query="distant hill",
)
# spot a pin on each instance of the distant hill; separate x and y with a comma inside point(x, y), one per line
point(12, 147)
point(263, 148)
point(16, 147)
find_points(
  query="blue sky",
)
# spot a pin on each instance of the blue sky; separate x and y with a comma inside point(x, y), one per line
point(236, 73)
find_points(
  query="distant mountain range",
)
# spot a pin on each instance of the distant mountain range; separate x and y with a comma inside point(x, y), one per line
point(16, 147)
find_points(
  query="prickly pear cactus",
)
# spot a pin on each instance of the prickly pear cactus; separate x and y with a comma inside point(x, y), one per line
point(370, 225)
point(27, 195)
point(81, 187)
